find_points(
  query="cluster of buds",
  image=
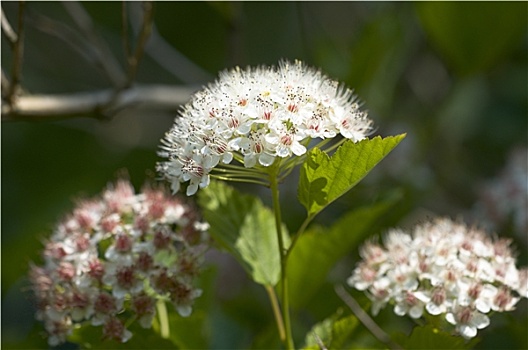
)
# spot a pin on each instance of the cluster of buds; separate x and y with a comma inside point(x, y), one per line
point(445, 268)
point(114, 257)
point(253, 117)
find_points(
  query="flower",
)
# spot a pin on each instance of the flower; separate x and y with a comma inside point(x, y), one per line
point(254, 117)
point(467, 320)
point(103, 263)
point(442, 267)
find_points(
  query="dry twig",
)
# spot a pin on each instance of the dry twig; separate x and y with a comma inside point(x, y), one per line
point(165, 54)
point(96, 104)
point(17, 44)
point(105, 57)
point(367, 321)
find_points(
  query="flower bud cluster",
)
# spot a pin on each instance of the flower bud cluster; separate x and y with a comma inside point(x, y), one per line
point(254, 116)
point(444, 268)
point(114, 257)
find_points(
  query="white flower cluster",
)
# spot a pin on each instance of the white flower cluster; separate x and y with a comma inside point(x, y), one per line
point(254, 116)
point(115, 257)
point(444, 268)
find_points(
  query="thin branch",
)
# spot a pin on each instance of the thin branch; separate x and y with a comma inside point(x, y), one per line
point(124, 30)
point(5, 85)
point(8, 31)
point(104, 54)
point(319, 342)
point(18, 55)
point(367, 321)
point(66, 34)
point(94, 104)
point(166, 55)
point(143, 36)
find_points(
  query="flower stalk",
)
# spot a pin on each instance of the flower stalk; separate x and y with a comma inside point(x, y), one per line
point(274, 186)
point(163, 319)
point(276, 312)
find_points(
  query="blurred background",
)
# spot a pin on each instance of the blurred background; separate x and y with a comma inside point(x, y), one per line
point(452, 75)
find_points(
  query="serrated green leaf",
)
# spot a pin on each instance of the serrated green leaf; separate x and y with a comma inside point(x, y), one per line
point(319, 248)
point(342, 330)
point(324, 178)
point(331, 333)
point(429, 337)
point(245, 227)
point(321, 333)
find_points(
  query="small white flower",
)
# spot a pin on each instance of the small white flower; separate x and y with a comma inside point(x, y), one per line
point(438, 301)
point(467, 320)
point(380, 293)
point(411, 303)
point(363, 276)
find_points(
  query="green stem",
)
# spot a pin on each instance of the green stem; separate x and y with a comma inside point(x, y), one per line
point(277, 312)
point(233, 179)
point(299, 233)
point(274, 185)
point(163, 319)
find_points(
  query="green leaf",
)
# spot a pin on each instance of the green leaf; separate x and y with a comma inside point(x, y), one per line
point(324, 179)
point(429, 337)
point(91, 337)
point(188, 332)
point(473, 36)
point(245, 228)
point(331, 333)
point(319, 248)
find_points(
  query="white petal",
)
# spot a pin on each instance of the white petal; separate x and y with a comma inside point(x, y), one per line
point(479, 320)
point(210, 161)
point(298, 149)
point(77, 314)
point(416, 311)
point(119, 292)
point(376, 307)
point(433, 309)
point(191, 189)
point(228, 157)
point(450, 318)
point(250, 160)
point(205, 181)
point(184, 310)
point(98, 320)
point(175, 186)
point(273, 139)
point(482, 306)
point(400, 310)
point(467, 331)
point(196, 293)
point(146, 320)
point(266, 159)
point(126, 336)
point(282, 151)
point(244, 129)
